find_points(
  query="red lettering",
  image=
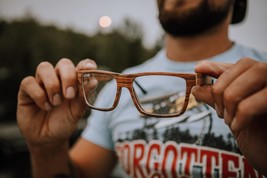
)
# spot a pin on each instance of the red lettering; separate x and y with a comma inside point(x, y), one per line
point(138, 155)
point(209, 159)
point(170, 152)
point(126, 158)
point(154, 148)
point(191, 158)
point(140, 159)
point(230, 165)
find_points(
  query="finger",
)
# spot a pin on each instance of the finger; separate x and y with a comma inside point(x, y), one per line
point(47, 77)
point(30, 91)
point(252, 80)
point(213, 69)
point(249, 109)
point(203, 94)
point(225, 79)
point(86, 64)
point(65, 70)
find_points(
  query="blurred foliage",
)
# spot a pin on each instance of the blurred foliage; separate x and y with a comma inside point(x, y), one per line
point(25, 43)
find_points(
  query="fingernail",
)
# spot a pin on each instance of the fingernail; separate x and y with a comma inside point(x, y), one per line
point(201, 62)
point(225, 115)
point(47, 106)
point(219, 113)
point(90, 65)
point(70, 92)
point(56, 99)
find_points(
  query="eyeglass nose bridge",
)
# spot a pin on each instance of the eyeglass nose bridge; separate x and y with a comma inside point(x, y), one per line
point(127, 82)
point(124, 81)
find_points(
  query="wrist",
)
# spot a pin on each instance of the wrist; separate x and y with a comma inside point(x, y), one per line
point(45, 157)
point(48, 150)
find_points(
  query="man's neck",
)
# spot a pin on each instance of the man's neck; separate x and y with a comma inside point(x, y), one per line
point(198, 48)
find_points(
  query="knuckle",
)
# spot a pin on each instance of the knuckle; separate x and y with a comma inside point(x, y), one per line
point(68, 79)
point(259, 66)
point(52, 86)
point(27, 80)
point(65, 66)
point(64, 61)
point(245, 60)
point(244, 109)
point(216, 90)
point(44, 64)
point(39, 97)
point(230, 97)
point(27, 85)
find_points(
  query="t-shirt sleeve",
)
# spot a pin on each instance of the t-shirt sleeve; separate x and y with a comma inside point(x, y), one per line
point(98, 129)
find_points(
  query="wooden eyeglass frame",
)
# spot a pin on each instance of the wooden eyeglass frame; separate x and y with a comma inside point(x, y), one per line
point(127, 80)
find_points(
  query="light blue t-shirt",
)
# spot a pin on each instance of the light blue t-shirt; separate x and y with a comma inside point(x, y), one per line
point(196, 144)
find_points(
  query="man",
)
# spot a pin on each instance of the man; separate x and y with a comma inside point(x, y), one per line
point(198, 144)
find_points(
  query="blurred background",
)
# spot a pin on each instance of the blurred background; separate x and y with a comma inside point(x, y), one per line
point(115, 33)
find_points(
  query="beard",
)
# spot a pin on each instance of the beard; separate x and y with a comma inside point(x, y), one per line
point(195, 21)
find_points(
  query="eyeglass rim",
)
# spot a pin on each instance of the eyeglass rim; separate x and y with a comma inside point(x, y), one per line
point(187, 76)
point(191, 79)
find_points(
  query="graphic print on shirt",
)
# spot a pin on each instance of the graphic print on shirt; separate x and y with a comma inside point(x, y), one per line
point(185, 146)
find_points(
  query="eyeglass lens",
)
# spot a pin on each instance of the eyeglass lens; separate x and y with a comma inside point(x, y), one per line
point(94, 84)
point(163, 94)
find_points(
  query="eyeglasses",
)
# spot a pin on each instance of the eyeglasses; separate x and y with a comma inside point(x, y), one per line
point(155, 94)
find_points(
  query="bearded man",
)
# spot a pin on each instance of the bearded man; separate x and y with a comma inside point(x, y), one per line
point(195, 144)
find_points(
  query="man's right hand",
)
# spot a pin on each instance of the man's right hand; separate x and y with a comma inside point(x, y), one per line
point(49, 104)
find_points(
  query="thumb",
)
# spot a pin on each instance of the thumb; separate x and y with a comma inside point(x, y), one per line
point(203, 94)
point(213, 69)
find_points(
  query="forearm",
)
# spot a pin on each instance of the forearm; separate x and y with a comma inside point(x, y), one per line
point(51, 163)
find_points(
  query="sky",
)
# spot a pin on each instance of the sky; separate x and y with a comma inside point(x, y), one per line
point(83, 16)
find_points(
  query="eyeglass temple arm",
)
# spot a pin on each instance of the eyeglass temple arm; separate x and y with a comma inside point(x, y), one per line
point(202, 79)
point(141, 88)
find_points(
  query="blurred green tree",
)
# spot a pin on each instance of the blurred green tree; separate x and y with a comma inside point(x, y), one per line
point(25, 43)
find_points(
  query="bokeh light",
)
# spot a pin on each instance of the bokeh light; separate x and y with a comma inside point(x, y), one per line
point(105, 21)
